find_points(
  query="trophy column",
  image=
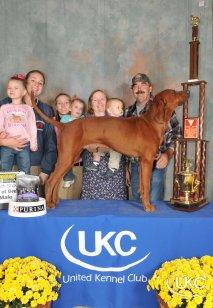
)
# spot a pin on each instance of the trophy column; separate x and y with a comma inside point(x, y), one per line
point(188, 183)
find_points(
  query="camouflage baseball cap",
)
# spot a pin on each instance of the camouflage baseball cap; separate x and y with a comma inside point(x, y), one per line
point(140, 78)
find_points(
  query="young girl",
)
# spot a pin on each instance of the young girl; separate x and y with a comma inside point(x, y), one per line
point(62, 107)
point(69, 110)
point(17, 119)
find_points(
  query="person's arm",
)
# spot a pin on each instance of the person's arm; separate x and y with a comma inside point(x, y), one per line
point(164, 158)
point(16, 143)
point(50, 151)
point(2, 117)
point(32, 129)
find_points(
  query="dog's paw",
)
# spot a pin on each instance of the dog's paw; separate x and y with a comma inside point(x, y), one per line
point(50, 205)
point(149, 208)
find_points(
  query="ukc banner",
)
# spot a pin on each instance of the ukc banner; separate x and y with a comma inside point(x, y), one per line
point(107, 250)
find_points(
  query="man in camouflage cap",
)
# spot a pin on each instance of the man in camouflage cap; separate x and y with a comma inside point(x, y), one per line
point(143, 78)
point(142, 91)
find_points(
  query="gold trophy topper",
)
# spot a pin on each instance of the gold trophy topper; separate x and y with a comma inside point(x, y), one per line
point(194, 20)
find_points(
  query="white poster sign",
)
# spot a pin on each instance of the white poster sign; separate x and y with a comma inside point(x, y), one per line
point(8, 186)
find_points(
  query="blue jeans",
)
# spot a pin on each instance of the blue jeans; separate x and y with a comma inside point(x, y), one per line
point(157, 183)
point(22, 158)
point(69, 176)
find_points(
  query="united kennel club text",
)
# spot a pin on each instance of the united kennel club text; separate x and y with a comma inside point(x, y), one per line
point(100, 278)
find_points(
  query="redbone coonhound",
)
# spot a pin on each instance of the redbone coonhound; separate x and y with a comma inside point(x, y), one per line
point(135, 137)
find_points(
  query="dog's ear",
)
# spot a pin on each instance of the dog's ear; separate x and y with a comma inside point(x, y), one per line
point(162, 112)
point(159, 109)
point(167, 113)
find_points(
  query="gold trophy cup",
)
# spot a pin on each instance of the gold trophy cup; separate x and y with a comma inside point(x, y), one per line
point(187, 184)
point(187, 188)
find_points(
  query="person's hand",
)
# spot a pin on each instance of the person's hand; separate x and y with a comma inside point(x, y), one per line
point(96, 147)
point(16, 143)
point(162, 161)
point(3, 135)
point(43, 178)
point(33, 148)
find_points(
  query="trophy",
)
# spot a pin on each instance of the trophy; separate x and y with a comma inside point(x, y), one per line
point(188, 184)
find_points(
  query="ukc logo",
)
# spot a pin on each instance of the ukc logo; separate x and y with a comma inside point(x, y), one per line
point(101, 242)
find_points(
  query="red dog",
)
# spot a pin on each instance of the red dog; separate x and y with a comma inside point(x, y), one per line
point(136, 137)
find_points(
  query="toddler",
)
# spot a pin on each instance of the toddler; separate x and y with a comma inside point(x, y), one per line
point(114, 108)
point(69, 110)
point(17, 119)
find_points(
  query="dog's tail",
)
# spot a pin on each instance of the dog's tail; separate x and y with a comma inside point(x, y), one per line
point(44, 116)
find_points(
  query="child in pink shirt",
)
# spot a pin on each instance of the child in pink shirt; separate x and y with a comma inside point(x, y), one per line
point(17, 119)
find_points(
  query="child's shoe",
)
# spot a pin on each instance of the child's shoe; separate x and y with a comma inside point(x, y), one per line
point(93, 167)
point(67, 184)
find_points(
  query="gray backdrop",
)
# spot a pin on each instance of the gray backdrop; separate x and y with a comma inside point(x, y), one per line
point(86, 44)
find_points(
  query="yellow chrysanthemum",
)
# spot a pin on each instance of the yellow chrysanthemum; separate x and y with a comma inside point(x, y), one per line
point(187, 282)
point(30, 281)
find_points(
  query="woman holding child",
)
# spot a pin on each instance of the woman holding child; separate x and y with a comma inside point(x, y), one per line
point(99, 182)
point(17, 119)
point(44, 158)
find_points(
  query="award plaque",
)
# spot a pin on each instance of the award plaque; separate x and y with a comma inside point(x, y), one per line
point(191, 126)
point(188, 182)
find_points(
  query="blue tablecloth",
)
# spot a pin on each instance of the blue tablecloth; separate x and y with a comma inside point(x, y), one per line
point(107, 250)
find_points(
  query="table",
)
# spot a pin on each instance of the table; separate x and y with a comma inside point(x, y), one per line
point(106, 250)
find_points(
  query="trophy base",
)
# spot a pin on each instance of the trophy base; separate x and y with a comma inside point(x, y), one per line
point(191, 207)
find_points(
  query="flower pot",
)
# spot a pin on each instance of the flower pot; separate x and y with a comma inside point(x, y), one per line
point(47, 305)
point(161, 302)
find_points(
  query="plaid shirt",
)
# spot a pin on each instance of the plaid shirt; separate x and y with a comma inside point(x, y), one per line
point(172, 132)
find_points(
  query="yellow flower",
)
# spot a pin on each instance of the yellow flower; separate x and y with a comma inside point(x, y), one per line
point(33, 303)
point(36, 295)
point(30, 281)
point(191, 305)
point(187, 282)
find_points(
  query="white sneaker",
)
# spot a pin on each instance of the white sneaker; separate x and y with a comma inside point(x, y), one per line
point(67, 184)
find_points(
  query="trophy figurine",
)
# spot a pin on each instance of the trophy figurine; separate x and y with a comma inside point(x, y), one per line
point(189, 185)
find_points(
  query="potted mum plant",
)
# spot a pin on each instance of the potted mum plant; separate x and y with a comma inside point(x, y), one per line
point(28, 282)
point(184, 283)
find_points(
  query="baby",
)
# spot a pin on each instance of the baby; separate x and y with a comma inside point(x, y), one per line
point(18, 119)
point(115, 108)
point(77, 110)
point(69, 110)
